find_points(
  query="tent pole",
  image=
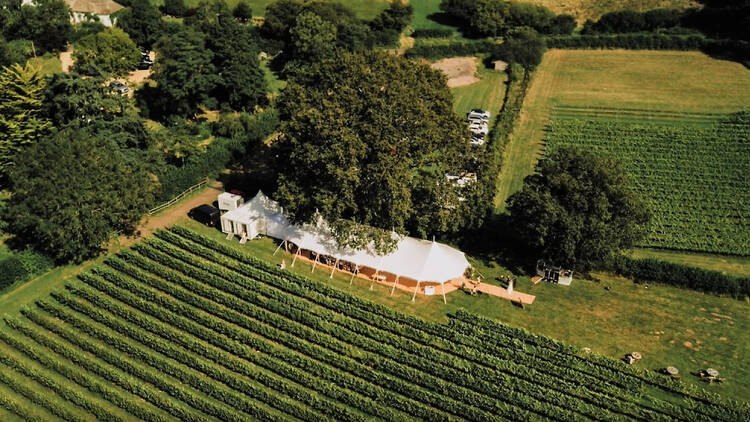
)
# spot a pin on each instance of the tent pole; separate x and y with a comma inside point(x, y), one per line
point(295, 255)
point(336, 264)
point(351, 280)
point(317, 255)
point(278, 247)
point(415, 292)
point(442, 287)
point(394, 285)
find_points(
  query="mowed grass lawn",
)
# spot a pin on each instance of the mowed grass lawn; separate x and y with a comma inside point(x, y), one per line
point(669, 326)
point(424, 13)
point(486, 94)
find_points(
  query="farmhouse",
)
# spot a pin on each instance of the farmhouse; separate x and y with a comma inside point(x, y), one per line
point(103, 9)
point(414, 261)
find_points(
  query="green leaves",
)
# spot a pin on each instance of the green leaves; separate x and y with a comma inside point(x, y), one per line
point(109, 52)
point(72, 191)
point(578, 210)
point(369, 137)
point(21, 119)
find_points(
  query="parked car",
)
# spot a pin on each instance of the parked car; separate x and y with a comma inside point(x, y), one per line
point(118, 87)
point(145, 63)
point(205, 214)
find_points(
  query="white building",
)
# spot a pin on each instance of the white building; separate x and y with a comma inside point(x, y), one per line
point(80, 9)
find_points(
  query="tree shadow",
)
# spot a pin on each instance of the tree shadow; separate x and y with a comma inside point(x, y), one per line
point(252, 172)
point(498, 242)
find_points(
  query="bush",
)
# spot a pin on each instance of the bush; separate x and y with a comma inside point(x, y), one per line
point(11, 269)
point(433, 33)
point(174, 8)
point(524, 47)
point(449, 48)
point(637, 41)
point(678, 275)
point(22, 266)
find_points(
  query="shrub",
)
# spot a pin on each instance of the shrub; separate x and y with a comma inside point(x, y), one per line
point(22, 266)
point(448, 48)
point(433, 33)
point(679, 275)
point(636, 41)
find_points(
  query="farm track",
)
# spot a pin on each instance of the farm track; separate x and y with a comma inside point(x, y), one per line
point(183, 327)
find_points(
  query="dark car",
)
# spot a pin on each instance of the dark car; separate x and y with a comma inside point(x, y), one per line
point(145, 64)
point(205, 214)
point(118, 87)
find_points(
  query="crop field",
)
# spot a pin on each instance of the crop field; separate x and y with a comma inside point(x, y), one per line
point(691, 170)
point(185, 328)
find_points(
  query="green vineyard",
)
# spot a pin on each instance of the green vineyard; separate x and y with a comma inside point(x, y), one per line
point(182, 327)
point(691, 169)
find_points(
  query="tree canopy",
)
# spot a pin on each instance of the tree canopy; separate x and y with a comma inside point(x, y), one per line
point(184, 73)
point(109, 51)
point(578, 210)
point(104, 193)
point(46, 23)
point(369, 137)
point(497, 17)
point(522, 46)
point(21, 119)
point(143, 22)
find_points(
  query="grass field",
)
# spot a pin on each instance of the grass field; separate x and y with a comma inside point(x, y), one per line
point(486, 94)
point(594, 9)
point(737, 266)
point(186, 327)
point(49, 63)
point(643, 80)
point(424, 14)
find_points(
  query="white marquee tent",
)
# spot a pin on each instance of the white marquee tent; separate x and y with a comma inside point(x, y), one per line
point(420, 260)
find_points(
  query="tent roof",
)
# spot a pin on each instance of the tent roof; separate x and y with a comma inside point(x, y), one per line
point(413, 258)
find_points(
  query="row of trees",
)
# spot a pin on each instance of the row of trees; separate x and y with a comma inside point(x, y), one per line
point(490, 18)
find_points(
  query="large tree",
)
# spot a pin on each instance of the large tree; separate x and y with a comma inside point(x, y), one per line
point(579, 209)
point(241, 82)
point(184, 73)
point(109, 52)
point(369, 138)
point(72, 192)
point(21, 119)
point(143, 22)
point(523, 46)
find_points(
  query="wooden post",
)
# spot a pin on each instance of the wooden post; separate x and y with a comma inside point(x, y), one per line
point(351, 280)
point(295, 255)
point(279, 247)
point(334, 268)
point(416, 289)
point(372, 280)
point(442, 287)
point(394, 285)
point(317, 255)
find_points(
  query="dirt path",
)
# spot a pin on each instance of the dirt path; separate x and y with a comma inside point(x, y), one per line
point(460, 71)
point(172, 215)
point(525, 146)
point(66, 60)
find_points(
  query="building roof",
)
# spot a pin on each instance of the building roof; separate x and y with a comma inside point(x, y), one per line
point(96, 7)
point(417, 259)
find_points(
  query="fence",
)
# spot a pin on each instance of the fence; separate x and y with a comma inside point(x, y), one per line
point(177, 198)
